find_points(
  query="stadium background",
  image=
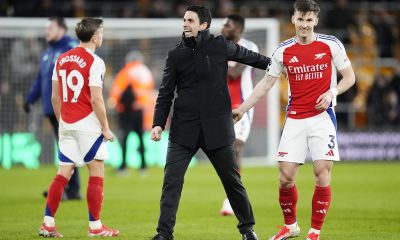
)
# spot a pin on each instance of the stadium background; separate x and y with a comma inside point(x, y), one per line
point(368, 114)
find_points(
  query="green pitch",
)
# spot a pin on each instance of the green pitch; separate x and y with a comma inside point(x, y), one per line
point(365, 204)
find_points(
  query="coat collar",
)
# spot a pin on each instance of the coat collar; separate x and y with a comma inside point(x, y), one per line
point(194, 42)
point(62, 42)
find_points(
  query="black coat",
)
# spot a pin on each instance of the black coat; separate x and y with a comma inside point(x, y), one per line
point(197, 69)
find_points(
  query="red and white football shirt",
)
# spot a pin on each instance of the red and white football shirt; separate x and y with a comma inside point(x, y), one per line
point(240, 88)
point(76, 71)
point(311, 71)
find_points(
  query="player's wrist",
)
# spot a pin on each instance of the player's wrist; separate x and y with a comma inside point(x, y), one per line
point(334, 91)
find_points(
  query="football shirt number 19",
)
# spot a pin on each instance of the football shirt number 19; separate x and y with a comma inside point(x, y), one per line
point(66, 80)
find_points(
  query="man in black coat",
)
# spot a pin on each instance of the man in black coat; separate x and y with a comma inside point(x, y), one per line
point(202, 117)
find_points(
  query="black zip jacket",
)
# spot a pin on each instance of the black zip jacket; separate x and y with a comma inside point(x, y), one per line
point(197, 69)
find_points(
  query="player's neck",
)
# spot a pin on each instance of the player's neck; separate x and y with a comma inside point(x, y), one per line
point(305, 40)
point(88, 45)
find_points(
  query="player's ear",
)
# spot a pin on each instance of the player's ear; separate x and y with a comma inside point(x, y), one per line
point(203, 26)
point(94, 38)
point(316, 22)
point(293, 18)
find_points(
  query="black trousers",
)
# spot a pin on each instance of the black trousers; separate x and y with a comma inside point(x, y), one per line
point(74, 185)
point(224, 162)
point(132, 121)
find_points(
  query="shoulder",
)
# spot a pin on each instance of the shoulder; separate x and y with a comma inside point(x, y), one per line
point(245, 42)
point(64, 54)
point(330, 40)
point(217, 39)
point(98, 61)
point(70, 43)
point(283, 45)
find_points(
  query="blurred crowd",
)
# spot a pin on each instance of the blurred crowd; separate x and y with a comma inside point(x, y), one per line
point(361, 25)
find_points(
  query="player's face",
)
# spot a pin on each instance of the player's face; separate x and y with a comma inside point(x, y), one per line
point(98, 37)
point(53, 31)
point(304, 23)
point(191, 24)
point(230, 30)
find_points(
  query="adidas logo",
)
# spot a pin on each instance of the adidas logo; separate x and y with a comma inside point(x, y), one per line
point(323, 211)
point(330, 153)
point(287, 210)
point(293, 60)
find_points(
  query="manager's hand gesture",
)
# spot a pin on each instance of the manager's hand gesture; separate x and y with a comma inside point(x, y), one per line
point(237, 115)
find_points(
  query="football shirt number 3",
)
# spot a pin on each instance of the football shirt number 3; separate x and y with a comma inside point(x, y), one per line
point(67, 82)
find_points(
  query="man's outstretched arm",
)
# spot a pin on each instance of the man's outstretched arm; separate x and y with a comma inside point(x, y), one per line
point(259, 91)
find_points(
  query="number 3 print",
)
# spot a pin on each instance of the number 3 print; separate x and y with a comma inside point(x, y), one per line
point(332, 144)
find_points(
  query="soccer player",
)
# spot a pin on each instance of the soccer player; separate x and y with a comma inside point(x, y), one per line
point(311, 60)
point(79, 107)
point(59, 42)
point(240, 83)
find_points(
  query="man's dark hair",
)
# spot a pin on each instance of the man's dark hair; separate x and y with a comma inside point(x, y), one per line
point(87, 27)
point(305, 6)
point(60, 22)
point(203, 13)
point(237, 19)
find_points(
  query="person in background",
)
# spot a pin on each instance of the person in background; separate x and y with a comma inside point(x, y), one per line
point(240, 83)
point(58, 43)
point(130, 94)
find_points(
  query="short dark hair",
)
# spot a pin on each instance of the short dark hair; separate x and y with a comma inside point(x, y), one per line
point(237, 19)
point(305, 6)
point(203, 13)
point(60, 22)
point(87, 27)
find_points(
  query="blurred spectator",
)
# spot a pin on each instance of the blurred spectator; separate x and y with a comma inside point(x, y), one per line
point(131, 93)
point(45, 8)
point(345, 99)
point(158, 9)
point(341, 20)
point(395, 83)
point(223, 8)
point(375, 101)
point(385, 40)
point(391, 108)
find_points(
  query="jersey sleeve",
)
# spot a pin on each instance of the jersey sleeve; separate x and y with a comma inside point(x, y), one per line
point(54, 76)
point(97, 71)
point(340, 59)
point(255, 48)
point(275, 67)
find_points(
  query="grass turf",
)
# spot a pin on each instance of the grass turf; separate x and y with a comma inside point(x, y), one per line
point(365, 203)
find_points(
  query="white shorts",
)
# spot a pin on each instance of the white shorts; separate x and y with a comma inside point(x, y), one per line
point(242, 128)
point(79, 148)
point(316, 133)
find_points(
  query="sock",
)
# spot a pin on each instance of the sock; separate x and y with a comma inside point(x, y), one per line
point(320, 205)
point(288, 201)
point(94, 196)
point(54, 196)
point(49, 221)
point(95, 224)
point(313, 230)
